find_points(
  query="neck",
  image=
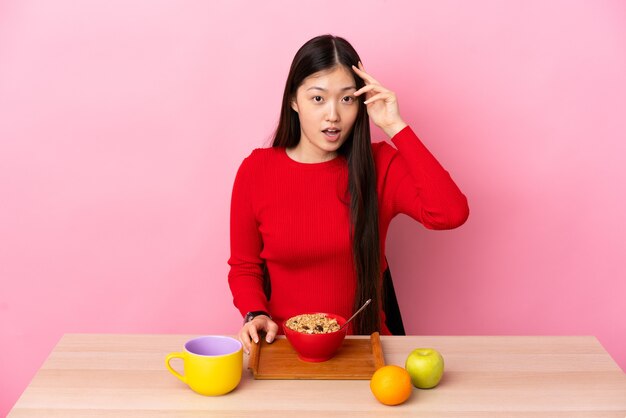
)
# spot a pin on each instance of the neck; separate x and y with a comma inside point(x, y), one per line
point(302, 154)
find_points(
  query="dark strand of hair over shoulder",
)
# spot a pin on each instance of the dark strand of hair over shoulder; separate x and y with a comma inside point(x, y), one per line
point(319, 54)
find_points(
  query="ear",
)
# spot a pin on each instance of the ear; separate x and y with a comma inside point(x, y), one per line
point(294, 104)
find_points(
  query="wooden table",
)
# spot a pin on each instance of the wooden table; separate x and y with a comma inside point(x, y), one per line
point(124, 376)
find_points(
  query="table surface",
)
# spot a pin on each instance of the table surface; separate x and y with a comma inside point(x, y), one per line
point(104, 375)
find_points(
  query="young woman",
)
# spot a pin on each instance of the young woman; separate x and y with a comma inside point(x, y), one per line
point(309, 216)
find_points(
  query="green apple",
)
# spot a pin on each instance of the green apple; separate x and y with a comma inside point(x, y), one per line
point(425, 365)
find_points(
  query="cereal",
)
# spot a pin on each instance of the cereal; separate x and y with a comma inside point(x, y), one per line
point(313, 324)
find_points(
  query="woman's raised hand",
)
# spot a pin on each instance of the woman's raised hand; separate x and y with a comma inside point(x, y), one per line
point(250, 331)
point(382, 105)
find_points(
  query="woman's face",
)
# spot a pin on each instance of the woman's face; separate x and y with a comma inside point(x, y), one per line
point(324, 101)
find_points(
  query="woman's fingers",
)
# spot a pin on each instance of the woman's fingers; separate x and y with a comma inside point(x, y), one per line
point(365, 76)
point(253, 332)
point(370, 87)
point(245, 339)
point(362, 74)
point(271, 328)
point(385, 114)
point(249, 334)
point(378, 96)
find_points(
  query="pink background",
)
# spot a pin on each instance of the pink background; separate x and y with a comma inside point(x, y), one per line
point(122, 125)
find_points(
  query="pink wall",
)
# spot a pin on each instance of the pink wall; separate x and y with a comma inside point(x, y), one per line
point(122, 125)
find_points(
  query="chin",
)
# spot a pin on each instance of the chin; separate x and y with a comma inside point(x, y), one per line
point(333, 147)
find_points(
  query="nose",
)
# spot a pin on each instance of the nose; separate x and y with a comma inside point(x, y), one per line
point(332, 114)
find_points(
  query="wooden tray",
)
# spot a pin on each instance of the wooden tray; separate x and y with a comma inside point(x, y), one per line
point(357, 359)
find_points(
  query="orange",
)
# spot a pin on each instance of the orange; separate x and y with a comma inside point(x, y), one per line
point(391, 385)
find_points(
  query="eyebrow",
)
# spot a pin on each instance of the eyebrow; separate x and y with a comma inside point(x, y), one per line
point(323, 89)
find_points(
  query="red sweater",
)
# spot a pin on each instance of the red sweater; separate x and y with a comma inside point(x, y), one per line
point(291, 216)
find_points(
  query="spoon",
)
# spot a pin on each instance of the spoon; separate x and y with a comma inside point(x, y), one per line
point(367, 302)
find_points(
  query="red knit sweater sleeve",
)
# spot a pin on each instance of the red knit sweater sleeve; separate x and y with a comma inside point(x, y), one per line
point(421, 188)
point(245, 278)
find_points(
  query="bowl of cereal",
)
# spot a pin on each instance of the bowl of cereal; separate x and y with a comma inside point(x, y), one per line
point(315, 336)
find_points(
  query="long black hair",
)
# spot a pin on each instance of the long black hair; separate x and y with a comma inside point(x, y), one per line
point(322, 53)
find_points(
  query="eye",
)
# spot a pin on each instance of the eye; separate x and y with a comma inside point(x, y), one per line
point(350, 99)
point(316, 97)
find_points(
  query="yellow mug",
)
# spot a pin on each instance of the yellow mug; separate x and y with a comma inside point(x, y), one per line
point(213, 364)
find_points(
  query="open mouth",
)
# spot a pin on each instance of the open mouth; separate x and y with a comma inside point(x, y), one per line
point(332, 134)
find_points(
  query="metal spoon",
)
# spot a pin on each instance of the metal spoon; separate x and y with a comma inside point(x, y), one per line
point(367, 302)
